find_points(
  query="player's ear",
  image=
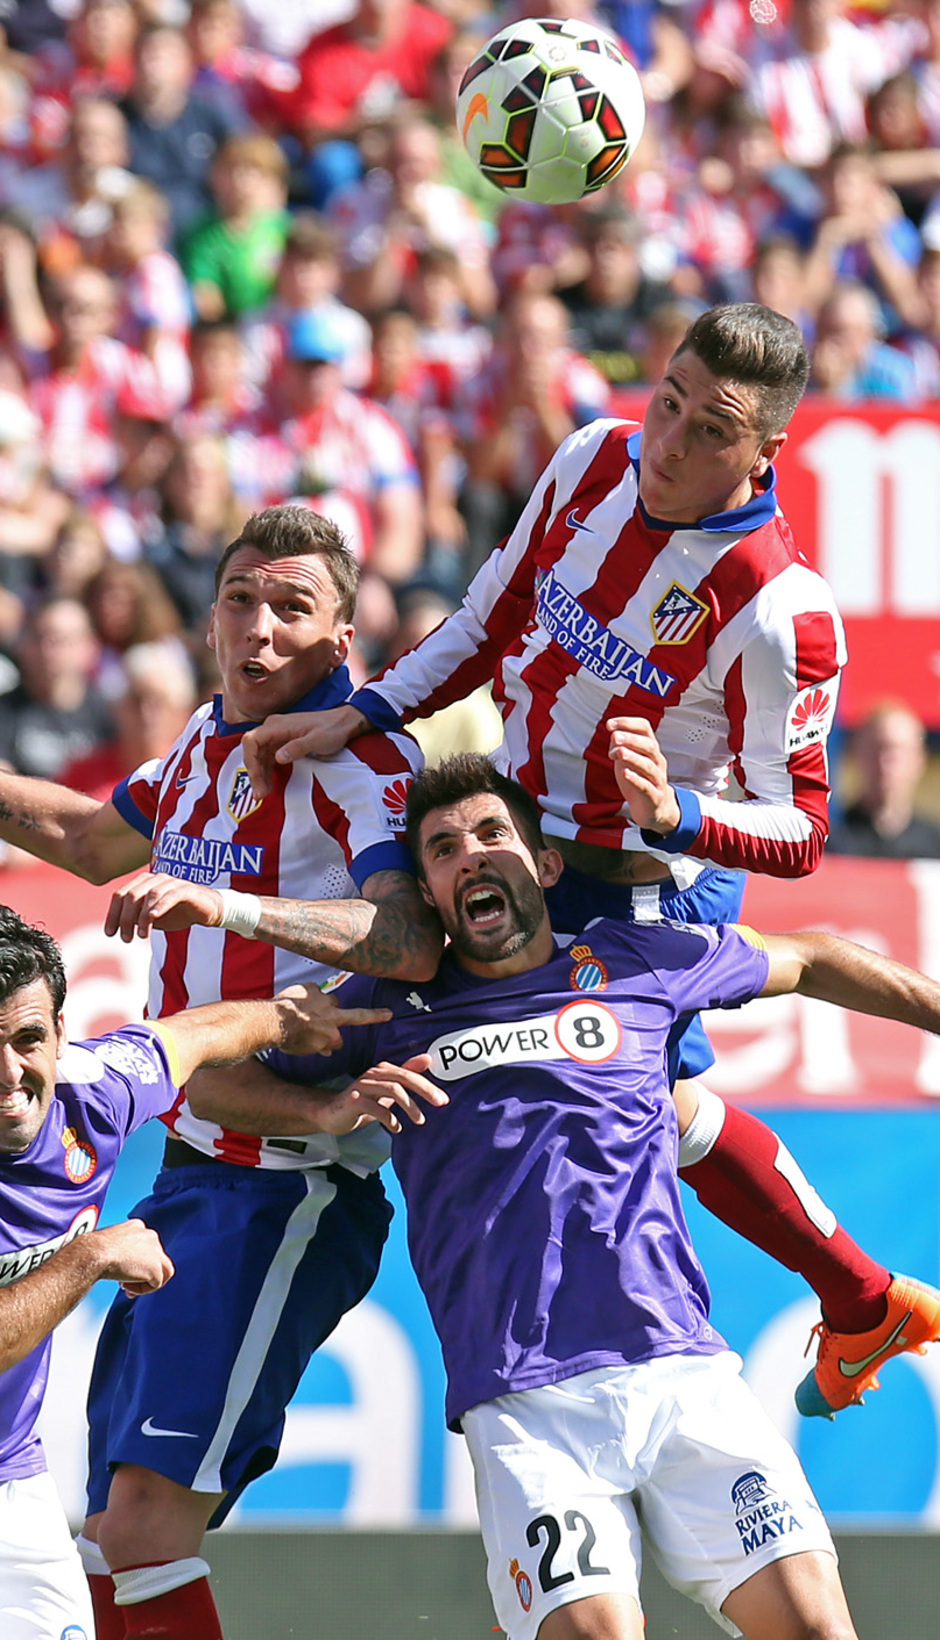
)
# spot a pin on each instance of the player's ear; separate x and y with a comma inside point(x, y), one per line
point(551, 865)
point(426, 894)
point(769, 451)
point(342, 642)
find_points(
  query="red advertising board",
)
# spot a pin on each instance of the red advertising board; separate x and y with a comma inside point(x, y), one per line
point(860, 486)
point(783, 1051)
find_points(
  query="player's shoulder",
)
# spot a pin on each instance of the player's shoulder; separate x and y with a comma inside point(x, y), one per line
point(132, 1054)
point(380, 752)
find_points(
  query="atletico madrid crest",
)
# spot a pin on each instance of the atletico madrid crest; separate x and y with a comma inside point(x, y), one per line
point(242, 800)
point(677, 616)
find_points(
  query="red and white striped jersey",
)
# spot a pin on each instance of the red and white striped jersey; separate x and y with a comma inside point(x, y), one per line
point(320, 834)
point(718, 633)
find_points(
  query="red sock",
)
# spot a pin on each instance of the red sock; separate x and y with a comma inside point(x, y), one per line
point(109, 1618)
point(187, 1613)
point(739, 1183)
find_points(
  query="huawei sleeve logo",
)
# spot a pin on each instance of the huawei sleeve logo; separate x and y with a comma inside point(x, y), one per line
point(809, 718)
point(395, 798)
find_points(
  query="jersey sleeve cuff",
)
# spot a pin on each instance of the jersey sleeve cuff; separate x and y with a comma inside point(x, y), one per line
point(390, 856)
point(690, 822)
point(128, 810)
point(168, 1043)
point(373, 706)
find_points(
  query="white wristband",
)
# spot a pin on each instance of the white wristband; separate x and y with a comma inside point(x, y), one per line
point(241, 913)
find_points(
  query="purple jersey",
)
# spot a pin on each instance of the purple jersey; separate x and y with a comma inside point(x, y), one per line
point(53, 1192)
point(544, 1217)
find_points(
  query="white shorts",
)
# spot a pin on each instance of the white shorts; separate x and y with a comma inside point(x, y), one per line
point(43, 1589)
point(566, 1476)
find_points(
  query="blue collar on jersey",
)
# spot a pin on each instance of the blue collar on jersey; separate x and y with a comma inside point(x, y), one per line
point(759, 510)
point(333, 690)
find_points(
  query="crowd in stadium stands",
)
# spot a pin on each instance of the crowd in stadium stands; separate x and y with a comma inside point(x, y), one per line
point(244, 259)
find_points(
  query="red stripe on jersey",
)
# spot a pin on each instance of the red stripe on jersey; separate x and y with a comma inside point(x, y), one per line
point(545, 676)
point(736, 709)
point(241, 1148)
point(379, 752)
point(816, 648)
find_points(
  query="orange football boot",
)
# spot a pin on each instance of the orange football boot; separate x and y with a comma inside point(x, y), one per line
point(847, 1364)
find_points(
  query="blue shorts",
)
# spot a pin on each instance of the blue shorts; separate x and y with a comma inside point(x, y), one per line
point(714, 897)
point(194, 1381)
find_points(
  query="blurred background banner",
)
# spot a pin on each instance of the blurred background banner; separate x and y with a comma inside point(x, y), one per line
point(365, 1444)
point(860, 486)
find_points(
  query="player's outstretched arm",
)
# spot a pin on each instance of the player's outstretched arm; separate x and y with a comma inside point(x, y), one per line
point(70, 830)
point(300, 1020)
point(834, 970)
point(255, 1099)
point(390, 933)
point(30, 1308)
point(285, 738)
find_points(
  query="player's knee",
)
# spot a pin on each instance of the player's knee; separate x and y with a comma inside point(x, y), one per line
point(151, 1518)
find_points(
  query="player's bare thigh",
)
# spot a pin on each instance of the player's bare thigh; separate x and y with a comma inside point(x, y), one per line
point(797, 1598)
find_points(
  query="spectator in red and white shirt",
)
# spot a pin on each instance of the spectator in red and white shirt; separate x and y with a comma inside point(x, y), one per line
point(85, 379)
point(69, 200)
point(155, 302)
point(401, 208)
point(529, 396)
point(96, 59)
point(342, 441)
point(308, 280)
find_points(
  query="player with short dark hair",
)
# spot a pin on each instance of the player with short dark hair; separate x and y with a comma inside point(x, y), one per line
point(546, 1229)
point(65, 1112)
point(653, 631)
point(274, 1238)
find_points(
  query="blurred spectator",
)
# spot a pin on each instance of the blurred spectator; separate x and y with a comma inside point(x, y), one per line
point(921, 340)
point(849, 361)
point(78, 552)
point(538, 247)
point(155, 302)
point(890, 757)
point(418, 394)
point(96, 59)
point(173, 130)
point(85, 379)
point(533, 391)
point(55, 713)
point(351, 78)
point(743, 193)
point(812, 85)
point(155, 699)
point(32, 24)
point(779, 279)
point(862, 235)
point(222, 397)
point(307, 282)
point(904, 153)
point(608, 308)
point(128, 604)
point(69, 201)
point(400, 209)
point(446, 334)
point(231, 258)
point(340, 441)
point(127, 506)
point(664, 330)
point(199, 518)
point(290, 25)
point(31, 511)
point(227, 66)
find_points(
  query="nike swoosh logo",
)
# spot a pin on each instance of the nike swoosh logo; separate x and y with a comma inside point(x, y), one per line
point(184, 779)
point(149, 1428)
point(574, 523)
point(851, 1369)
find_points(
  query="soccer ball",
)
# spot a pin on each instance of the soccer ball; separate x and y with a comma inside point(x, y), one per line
point(550, 111)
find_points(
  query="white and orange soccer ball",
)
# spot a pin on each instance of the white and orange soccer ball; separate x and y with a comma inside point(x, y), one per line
point(550, 111)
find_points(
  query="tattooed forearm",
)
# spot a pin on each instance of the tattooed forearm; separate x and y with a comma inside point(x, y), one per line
point(23, 820)
point(392, 934)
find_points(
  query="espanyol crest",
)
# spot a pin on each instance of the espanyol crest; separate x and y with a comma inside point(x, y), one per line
point(242, 800)
point(677, 615)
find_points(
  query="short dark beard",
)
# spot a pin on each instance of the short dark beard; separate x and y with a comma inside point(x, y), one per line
point(527, 907)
